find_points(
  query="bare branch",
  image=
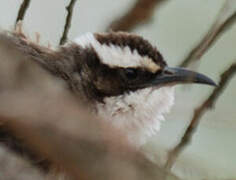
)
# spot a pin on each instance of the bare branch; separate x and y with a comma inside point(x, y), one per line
point(225, 19)
point(23, 8)
point(198, 113)
point(140, 13)
point(67, 26)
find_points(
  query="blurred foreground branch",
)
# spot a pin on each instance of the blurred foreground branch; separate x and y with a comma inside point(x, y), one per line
point(198, 113)
point(15, 168)
point(67, 26)
point(225, 19)
point(23, 8)
point(140, 13)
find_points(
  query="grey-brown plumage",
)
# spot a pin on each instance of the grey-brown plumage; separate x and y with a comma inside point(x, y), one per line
point(83, 70)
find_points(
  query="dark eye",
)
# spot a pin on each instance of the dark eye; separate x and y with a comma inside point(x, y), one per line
point(130, 73)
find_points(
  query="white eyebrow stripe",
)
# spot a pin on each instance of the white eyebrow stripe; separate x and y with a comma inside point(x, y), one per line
point(116, 56)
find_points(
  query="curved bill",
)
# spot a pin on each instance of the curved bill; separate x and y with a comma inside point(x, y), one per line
point(180, 75)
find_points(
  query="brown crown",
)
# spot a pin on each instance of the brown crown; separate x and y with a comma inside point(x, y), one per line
point(135, 42)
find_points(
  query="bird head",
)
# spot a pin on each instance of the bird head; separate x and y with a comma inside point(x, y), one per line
point(131, 83)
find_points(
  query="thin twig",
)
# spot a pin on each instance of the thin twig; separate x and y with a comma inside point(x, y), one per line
point(67, 26)
point(198, 113)
point(225, 19)
point(140, 13)
point(23, 8)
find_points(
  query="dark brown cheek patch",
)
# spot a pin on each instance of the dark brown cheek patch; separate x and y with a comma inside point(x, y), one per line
point(143, 47)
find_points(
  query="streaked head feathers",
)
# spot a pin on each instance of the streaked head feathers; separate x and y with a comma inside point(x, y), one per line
point(123, 50)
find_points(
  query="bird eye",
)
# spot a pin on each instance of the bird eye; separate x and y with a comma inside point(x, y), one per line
point(131, 73)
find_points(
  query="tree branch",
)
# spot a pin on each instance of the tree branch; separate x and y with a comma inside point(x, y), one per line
point(23, 8)
point(140, 13)
point(67, 26)
point(198, 113)
point(225, 19)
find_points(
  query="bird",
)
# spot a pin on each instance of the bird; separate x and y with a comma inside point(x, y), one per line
point(120, 76)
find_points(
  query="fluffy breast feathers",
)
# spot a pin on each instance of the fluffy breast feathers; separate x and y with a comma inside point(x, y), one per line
point(138, 114)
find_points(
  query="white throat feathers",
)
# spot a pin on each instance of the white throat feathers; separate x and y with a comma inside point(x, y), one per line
point(139, 113)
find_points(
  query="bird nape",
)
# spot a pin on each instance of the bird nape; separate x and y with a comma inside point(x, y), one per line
point(120, 76)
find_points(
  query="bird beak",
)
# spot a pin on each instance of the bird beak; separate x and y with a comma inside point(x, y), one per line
point(180, 75)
